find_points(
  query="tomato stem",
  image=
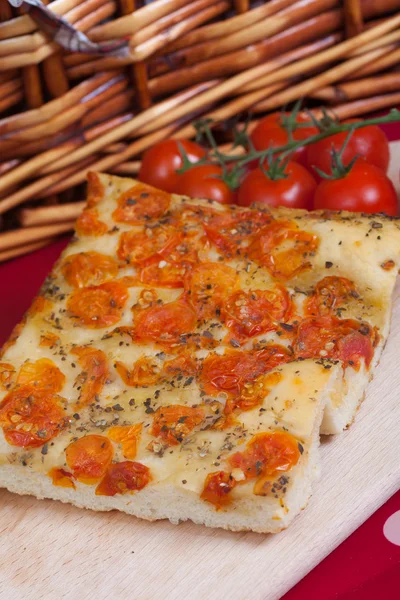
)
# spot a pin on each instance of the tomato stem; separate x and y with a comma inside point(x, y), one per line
point(327, 126)
point(338, 168)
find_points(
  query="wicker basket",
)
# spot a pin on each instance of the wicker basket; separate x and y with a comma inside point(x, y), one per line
point(62, 113)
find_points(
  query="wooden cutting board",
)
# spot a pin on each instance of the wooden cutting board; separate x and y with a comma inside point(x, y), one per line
point(50, 550)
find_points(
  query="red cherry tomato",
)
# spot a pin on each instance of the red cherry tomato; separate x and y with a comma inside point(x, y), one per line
point(295, 191)
point(204, 182)
point(369, 142)
point(161, 161)
point(269, 133)
point(364, 189)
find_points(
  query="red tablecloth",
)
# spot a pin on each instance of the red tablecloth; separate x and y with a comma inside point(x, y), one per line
point(365, 567)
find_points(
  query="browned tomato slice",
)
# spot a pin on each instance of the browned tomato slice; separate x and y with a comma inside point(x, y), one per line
point(49, 340)
point(164, 324)
point(173, 423)
point(329, 294)
point(94, 373)
point(225, 421)
point(208, 285)
point(145, 372)
point(62, 478)
point(128, 436)
point(253, 393)
point(217, 488)
point(88, 223)
point(248, 314)
point(165, 274)
point(7, 375)
point(329, 337)
point(284, 249)
point(88, 268)
point(183, 364)
point(232, 233)
point(136, 248)
point(168, 268)
point(30, 417)
point(267, 454)
point(99, 305)
point(140, 204)
point(42, 374)
point(233, 370)
point(356, 346)
point(124, 477)
point(95, 189)
point(39, 305)
point(89, 457)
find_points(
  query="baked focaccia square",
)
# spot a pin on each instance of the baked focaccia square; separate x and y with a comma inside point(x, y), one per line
point(182, 355)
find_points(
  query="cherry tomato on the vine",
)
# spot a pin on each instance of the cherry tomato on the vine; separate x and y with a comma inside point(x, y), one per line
point(205, 181)
point(296, 190)
point(369, 142)
point(364, 189)
point(161, 161)
point(270, 133)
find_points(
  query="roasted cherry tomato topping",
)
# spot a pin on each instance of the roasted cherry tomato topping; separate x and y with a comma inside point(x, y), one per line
point(30, 417)
point(167, 267)
point(124, 477)
point(225, 421)
point(89, 457)
point(137, 248)
point(208, 285)
point(250, 313)
point(165, 274)
point(62, 478)
point(284, 249)
point(88, 223)
point(7, 375)
point(232, 233)
point(183, 364)
point(128, 436)
point(253, 393)
point(49, 340)
point(98, 306)
point(94, 373)
point(140, 204)
point(267, 454)
point(329, 294)
point(217, 488)
point(173, 423)
point(88, 268)
point(233, 370)
point(39, 305)
point(164, 324)
point(328, 337)
point(42, 374)
point(95, 189)
point(145, 372)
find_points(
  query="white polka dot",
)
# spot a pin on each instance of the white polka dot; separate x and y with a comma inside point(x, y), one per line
point(391, 529)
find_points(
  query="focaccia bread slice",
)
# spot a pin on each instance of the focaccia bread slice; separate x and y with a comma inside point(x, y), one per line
point(181, 356)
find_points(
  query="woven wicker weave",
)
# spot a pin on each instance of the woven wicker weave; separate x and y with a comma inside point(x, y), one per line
point(62, 113)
